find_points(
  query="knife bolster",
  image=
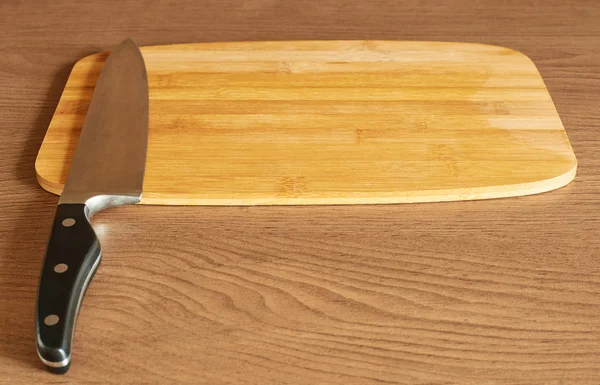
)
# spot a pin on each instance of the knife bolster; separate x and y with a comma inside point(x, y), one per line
point(94, 203)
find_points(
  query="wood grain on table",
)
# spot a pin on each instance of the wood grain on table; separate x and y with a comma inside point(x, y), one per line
point(486, 292)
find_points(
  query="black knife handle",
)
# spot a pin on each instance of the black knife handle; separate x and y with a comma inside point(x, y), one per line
point(72, 257)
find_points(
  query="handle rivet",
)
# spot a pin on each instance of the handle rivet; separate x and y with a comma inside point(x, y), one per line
point(68, 222)
point(51, 320)
point(61, 268)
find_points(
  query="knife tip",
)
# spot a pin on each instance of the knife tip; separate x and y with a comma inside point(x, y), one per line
point(129, 41)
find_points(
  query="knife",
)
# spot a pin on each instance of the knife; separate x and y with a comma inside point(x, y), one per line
point(107, 170)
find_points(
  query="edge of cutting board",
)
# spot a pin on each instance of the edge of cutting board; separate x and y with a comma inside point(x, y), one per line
point(458, 194)
point(421, 196)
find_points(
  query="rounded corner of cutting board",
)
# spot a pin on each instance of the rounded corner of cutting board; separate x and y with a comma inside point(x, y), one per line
point(546, 185)
point(92, 58)
point(486, 47)
point(45, 182)
point(570, 175)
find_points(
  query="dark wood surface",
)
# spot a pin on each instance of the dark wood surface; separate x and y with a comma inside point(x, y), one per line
point(486, 292)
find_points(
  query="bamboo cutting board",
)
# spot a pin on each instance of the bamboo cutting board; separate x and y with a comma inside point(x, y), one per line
point(332, 122)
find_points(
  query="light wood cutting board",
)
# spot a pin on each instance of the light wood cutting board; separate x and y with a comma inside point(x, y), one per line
point(332, 122)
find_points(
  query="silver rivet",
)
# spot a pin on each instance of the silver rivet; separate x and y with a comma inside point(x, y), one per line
point(68, 222)
point(51, 320)
point(61, 268)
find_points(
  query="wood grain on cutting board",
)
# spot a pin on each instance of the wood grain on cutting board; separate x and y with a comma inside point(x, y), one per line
point(332, 122)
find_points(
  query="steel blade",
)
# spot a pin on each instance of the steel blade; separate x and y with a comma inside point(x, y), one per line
point(108, 165)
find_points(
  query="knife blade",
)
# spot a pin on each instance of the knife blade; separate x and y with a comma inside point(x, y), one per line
point(107, 170)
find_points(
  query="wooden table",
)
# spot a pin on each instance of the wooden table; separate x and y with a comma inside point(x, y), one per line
point(486, 292)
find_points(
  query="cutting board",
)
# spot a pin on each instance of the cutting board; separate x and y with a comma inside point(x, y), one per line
point(331, 122)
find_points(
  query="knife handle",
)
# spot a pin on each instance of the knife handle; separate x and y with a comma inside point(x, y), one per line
point(72, 257)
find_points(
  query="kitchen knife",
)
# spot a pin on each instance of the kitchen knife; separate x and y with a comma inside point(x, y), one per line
point(107, 170)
